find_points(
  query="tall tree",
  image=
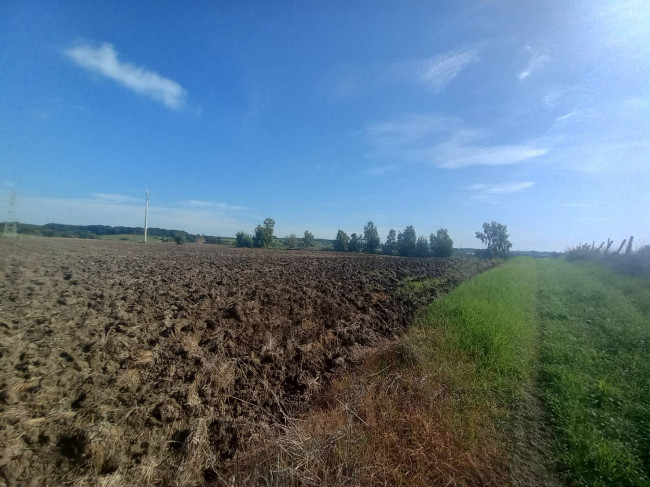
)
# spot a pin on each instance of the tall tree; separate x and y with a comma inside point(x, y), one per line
point(422, 247)
point(341, 242)
point(390, 247)
point(370, 238)
point(441, 244)
point(406, 241)
point(356, 243)
point(495, 237)
point(308, 240)
point(263, 236)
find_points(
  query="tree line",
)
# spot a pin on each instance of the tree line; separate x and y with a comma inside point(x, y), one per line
point(405, 243)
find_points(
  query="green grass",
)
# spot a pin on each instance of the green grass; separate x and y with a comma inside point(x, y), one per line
point(596, 371)
point(576, 330)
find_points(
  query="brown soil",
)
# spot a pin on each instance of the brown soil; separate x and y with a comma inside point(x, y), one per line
point(131, 364)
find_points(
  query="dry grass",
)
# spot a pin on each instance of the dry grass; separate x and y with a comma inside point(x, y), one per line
point(392, 423)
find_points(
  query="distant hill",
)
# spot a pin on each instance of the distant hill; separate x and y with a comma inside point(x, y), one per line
point(98, 231)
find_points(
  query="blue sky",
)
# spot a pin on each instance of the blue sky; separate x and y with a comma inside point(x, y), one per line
point(325, 115)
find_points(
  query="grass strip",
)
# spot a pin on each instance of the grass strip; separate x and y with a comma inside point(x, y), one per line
point(596, 371)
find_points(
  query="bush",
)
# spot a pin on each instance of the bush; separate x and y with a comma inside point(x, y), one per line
point(243, 239)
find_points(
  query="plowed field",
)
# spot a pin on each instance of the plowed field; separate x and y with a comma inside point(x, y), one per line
point(131, 364)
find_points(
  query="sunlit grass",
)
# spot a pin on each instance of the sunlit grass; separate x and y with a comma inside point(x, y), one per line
point(596, 372)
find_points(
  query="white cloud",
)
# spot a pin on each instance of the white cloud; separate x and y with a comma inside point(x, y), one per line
point(500, 188)
point(445, 143)
point(455, 155)
point(537, 62)
point(438, 71)
point(104, 60)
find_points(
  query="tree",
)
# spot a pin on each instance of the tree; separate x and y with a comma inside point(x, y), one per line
point(370, 238)
point(406, 241)
point(390, 247)
point(291, 241)
point(422, 247)
point(243, 239)
point(356, 243)
point(308, 240)
point(495, 237)
point(264, 234)
point(441, 244)
point(341, 242)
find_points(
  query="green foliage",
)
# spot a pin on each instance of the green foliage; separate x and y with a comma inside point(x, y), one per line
point(406, 242)
point(370, 238)
point(495, 237)
point(342, 241)
point(308, 240)
point(263, 236)
point(243, 239)
point(390, 247)
point(422, 247)
point(356, 243)
point(441, 244)
point(180, 239)
point(291, 241)
point(213, 240)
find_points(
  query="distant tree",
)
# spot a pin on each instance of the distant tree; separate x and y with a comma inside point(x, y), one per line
point(422, 247)
point(264, 234)
point(370, 238)
point(291, 241)
point(495, 237)
point(390, 247)
point(341, 242)
point(441, 244)
point(243, 239)
point(308, 239)
point(356, 243)
point(406, 241)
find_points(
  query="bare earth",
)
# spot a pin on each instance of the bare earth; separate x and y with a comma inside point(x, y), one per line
point(130, 364)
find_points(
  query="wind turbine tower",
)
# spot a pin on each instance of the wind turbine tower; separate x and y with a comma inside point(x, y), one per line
point(146, 215)
point(11, 227)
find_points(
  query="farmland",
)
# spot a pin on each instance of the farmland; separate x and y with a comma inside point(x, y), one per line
point(158, 363)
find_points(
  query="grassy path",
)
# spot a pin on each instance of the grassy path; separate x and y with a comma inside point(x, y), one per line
point(596, 371)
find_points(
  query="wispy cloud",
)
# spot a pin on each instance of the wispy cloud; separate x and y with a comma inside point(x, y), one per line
point(115, 198)
point(438, 71)
point(445, 143)
point(537, 61)
point(214, 204)
point(104, 60)
point(500, 188)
